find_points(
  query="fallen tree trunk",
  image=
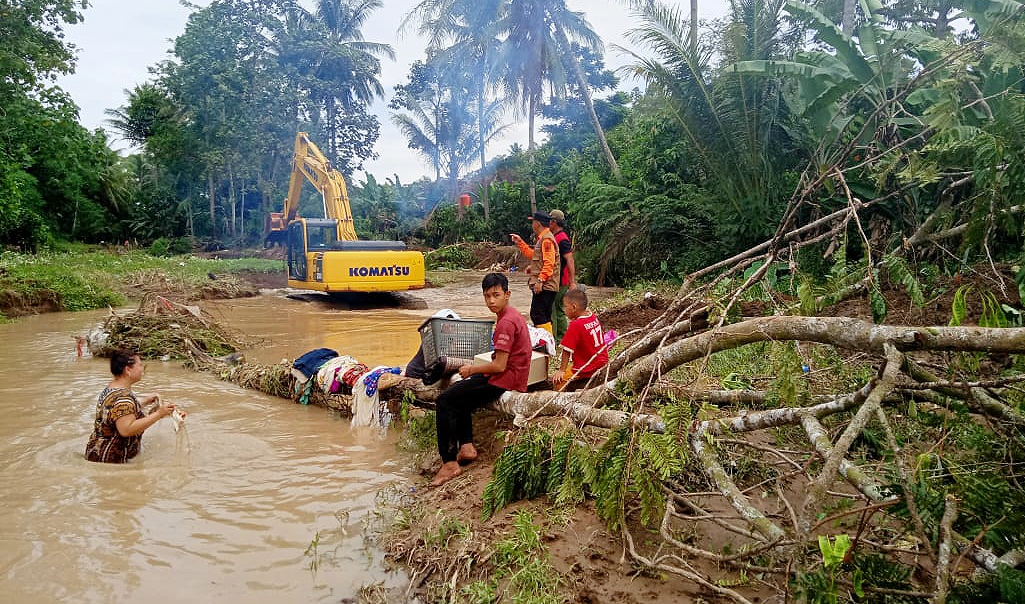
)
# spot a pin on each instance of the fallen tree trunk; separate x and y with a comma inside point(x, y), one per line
point(842, 332)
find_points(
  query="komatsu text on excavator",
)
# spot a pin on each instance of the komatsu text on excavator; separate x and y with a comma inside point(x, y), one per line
point(324, 254)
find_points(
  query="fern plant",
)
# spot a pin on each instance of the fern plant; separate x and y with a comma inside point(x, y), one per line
point(992, 313)
point(900, 273)
point(537, 463)
point(628, 466)
point(959, 305)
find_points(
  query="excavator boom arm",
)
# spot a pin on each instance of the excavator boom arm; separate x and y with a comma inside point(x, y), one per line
point(324, 254)
point(308, 162)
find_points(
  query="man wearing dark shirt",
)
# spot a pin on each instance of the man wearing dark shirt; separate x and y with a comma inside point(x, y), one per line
point(568, 279)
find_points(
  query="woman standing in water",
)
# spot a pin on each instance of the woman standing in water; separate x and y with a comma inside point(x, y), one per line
point(120, 421)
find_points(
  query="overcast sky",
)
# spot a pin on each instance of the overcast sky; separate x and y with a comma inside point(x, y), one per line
point(119, 40)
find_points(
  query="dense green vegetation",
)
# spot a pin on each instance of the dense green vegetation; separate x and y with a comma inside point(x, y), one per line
point(56, 178)
point(759, 123)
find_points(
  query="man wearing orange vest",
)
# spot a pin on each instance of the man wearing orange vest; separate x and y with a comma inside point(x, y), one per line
point(544, 269)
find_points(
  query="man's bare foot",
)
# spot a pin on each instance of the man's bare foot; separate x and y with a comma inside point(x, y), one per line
point(467, 453)
point(448, 471)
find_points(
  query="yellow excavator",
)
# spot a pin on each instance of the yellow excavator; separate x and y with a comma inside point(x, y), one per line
point(324, 254)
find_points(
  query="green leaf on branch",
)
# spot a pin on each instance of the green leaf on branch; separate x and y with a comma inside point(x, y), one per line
point(878, 304)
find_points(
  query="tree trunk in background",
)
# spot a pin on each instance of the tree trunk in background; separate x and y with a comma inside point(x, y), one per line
point(213, 205)
point(694, 28)
point(943, 21)
point(231, 201)
point(847, 18)
point(332, 144)
point(485, 194)
point(530, 155)
point(453, 179)
point(586, 93)
point(242, 211)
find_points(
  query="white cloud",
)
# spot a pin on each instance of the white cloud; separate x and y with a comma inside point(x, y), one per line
point(119, 40)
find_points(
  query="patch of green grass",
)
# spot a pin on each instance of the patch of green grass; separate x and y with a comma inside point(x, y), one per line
point(745, 361)
point(447, 529)
point(480, 592)
point(522, 565)
point(420, 434)
point(522, 572)
point(835, 372)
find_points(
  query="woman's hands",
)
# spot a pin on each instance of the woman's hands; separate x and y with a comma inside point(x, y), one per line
point(164, 409)
point(161, 409)
point(129, 425)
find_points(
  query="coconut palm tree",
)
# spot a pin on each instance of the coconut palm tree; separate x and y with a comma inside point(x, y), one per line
point(732, 121)
point(535, 58)
point(438, 121)
point(346, 70)
point(465, 33)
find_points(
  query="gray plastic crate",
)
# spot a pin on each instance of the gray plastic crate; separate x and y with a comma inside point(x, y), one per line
point(460, 338)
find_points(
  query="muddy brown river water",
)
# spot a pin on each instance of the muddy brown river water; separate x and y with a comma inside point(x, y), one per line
point(229, 510)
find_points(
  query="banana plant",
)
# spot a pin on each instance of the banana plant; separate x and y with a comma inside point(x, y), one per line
point(846, 97)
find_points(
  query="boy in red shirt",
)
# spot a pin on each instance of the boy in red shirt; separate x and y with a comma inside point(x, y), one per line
point(482, 384)
point(584, 342)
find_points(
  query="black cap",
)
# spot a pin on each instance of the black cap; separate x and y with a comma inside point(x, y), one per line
point(541, 217)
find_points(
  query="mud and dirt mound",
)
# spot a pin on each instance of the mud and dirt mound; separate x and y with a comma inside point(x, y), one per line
point(491, 256)
point(18, 304)
point(634, 315)
point(980, 288)
point(263, 279)
point(583, 551)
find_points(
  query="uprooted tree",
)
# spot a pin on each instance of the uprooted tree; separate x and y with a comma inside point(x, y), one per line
point(820, 454)
point(910, 470)
point(815, 455)
point(812, 454)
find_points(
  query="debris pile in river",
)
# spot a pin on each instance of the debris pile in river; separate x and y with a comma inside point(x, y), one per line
point(164, 329)
point(276, 380)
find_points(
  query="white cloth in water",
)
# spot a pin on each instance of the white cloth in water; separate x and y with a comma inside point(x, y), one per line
point(366, 409)
point(540, 336)
point(177, 419)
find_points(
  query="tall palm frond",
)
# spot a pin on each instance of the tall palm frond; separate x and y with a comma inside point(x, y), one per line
point(731, 121)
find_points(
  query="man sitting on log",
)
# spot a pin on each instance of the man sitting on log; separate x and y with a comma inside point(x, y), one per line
point(482, 384)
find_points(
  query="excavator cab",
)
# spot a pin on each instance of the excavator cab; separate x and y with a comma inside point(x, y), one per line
point(318, 260)
point(296, 247)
